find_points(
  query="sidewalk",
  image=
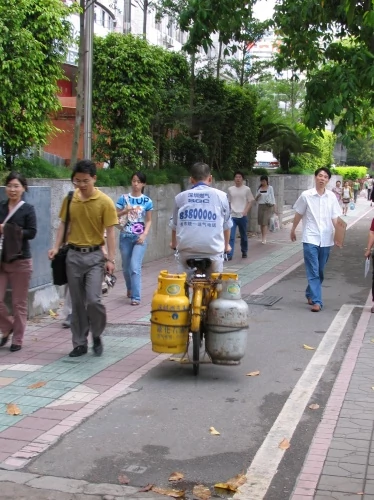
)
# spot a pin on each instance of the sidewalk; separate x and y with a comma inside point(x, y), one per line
point(55, 393)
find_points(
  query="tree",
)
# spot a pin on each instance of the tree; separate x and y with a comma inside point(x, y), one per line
point(127, 80)
point(331, 42)
point(360, 151)
point(34, 37)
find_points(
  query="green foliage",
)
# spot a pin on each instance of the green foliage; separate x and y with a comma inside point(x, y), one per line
point(332, 44)
point(38, 168)
point(225, 117)
point(360, 151)
point(111, 177)
point(308, 163)
point(34, 37)
point(127, 80)
point(350, 173)
point(260, 171)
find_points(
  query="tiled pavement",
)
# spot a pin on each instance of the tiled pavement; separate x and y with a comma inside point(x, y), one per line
point(74, 389)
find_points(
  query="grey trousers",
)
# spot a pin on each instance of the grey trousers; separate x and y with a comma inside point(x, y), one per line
point(85, 272)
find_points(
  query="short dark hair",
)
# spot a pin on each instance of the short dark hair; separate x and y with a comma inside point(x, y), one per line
point(264, 178)
point(200, 171)
point(238, 172)
point(323, 169)
point(17, 176)
point(84, 167)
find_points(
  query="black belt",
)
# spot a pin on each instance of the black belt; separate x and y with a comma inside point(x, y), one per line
point(84, 249)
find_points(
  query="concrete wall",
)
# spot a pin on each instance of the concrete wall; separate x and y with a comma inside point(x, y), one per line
point(294, 185)
point(163, 200)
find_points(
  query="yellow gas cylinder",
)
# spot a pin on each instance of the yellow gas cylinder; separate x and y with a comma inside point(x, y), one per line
point(170, 314)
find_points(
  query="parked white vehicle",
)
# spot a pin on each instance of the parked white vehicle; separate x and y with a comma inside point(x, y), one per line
point(267, 160)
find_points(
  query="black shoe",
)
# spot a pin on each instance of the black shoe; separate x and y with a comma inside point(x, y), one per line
point(78, 351)
point(15, 347)
point(229, 258)
point(5, 339)
point(97, 346)
point(244, 255)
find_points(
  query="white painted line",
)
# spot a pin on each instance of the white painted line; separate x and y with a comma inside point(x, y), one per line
point(267, 459)
point(280, 276)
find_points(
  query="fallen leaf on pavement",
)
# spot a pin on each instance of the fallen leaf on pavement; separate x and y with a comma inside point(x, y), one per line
point(52, 314)
point(314, 406)
point(233, 483)
point(168, 492)
point(371, 340)
point(37, 385)
point(202, 492)
point(178, 360)
point(12, 409)
point(148, 487)
point(176, 476)
point(309, 348)
point(35, 339)
point(214, 431)
point(284, 444)
point(253, 374)
point(122, 479)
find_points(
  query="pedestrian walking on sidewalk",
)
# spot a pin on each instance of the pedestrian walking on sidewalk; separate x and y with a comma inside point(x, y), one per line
point(347, 196)
point(91, 212)
point(319, 210)
point(137, 208)
point(368, 254)
point(201, 222)
point(338, 190)
point(266, 205)
point(240, 199)
point(17, 227)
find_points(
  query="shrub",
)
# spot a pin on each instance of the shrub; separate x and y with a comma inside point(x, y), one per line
point(260, 171)
point(350, 173)
point(37, 168)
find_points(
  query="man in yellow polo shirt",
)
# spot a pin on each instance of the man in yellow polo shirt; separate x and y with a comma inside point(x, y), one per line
point(91, 213)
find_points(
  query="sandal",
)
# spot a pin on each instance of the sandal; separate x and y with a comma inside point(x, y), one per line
point(135, 302)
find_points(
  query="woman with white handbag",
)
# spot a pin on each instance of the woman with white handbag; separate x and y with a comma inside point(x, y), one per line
point(17, 227)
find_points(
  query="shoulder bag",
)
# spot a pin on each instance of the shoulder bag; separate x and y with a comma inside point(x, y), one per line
point(59, 262)
point(13, 234)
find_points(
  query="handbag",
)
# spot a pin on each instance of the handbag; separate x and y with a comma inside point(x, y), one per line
point(123, 220)
point(58, 264)
point(11, 238)
point(346, 200)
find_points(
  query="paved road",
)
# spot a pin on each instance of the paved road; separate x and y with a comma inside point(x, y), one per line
point(163, 425)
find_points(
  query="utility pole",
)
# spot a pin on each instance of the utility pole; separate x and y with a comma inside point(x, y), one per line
point(88, 31)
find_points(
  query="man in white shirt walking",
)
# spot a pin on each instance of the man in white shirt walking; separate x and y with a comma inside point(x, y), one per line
point(240, 198)
point(319, 209)
point(201, 221)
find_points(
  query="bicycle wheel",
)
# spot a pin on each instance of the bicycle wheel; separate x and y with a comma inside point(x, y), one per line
point(196, 341)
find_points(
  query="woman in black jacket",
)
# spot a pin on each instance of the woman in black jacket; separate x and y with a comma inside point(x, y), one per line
point(16, 266)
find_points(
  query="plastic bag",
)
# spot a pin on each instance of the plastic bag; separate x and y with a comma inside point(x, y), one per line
point(274, 223)
point(352, 205)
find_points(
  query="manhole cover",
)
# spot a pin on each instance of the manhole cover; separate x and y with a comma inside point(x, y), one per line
point(262, 300)
point(127, 330)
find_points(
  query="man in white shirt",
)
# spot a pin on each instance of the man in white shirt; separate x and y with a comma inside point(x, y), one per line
point(240, 198)
point(319, 209)
point(201, 221)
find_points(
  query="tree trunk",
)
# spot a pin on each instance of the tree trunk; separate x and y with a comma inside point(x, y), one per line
point(242, 67)
point(80, 86)
point(219, 59)
point(145, 12)
point(284, 160)
point(192, 94)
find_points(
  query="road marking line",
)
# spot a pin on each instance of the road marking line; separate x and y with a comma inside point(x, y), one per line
point(267, 459)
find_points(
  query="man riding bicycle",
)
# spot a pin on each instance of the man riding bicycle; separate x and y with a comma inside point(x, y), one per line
point(201, 221)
